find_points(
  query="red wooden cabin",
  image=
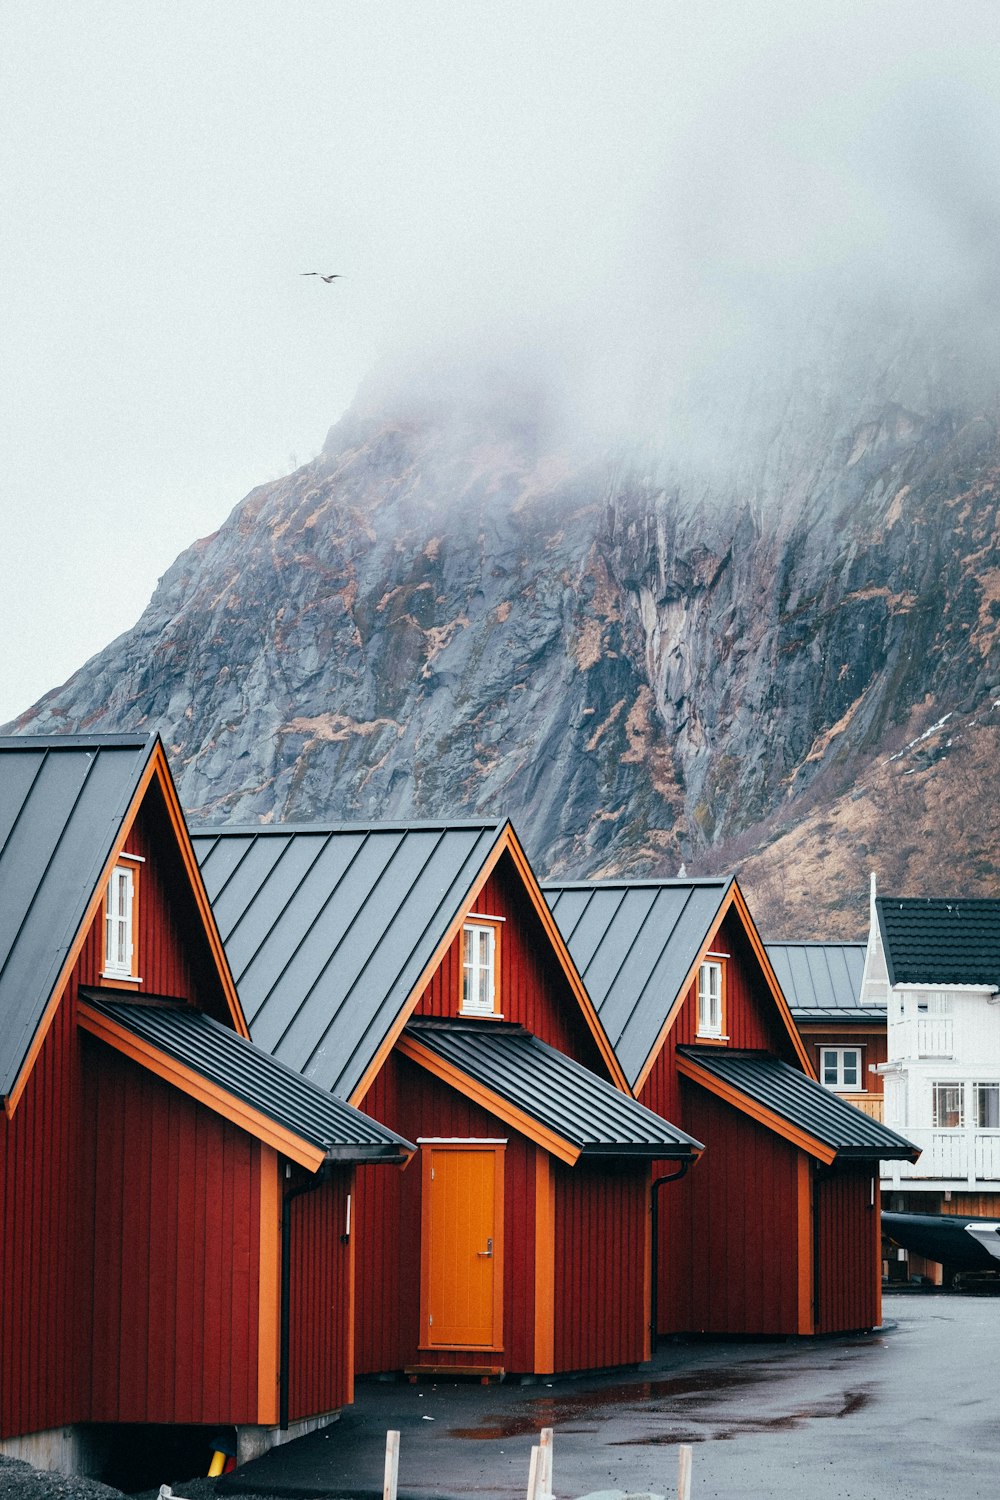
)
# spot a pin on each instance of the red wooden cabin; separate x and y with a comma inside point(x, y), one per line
point(778, 1230)
point(163, 1181)
point(416, 971)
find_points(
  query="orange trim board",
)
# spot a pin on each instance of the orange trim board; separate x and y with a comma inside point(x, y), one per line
point(507, 842)
point(217, 1099)
point(496, 1104)
point(269, 1289)
point(156, 767)
point(545, 1265)
point(804, 1247)
point(767, 1117)
point(733, 897)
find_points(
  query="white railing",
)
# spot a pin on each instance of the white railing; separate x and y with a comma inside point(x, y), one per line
point(966, 1155)
point(923, 1036)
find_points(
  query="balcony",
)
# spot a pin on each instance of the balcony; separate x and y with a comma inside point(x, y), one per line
point(923, 1036)
point(968, 1156)
point(870, 1104)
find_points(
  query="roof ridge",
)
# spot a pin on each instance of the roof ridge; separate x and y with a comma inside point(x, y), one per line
point(389, 825)
point(76, 741)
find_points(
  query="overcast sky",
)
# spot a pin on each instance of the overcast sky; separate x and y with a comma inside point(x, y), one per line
point(572, 176)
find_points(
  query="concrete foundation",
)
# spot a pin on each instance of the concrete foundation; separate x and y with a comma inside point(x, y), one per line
point(65, 1450)
point(251, 1442)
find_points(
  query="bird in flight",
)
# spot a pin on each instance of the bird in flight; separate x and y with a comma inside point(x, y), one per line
point(335, 277)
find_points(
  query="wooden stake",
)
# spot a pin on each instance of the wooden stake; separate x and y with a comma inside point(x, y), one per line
point(545, 1477)
point(391, 1466)
point(533, 1468)
point(684, 1472)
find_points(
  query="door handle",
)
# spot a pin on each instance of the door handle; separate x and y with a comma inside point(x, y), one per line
point(489, 1249)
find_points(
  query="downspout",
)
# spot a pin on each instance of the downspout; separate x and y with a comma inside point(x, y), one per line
point(654, 1290)
point(286, 1285)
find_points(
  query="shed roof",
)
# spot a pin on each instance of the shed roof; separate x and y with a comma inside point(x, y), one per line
point(63, 799)
point(783, 1093)
point(587, 1113)
point(822, 981)
point(940, 940)
point(329, 929)
point(248, 1073)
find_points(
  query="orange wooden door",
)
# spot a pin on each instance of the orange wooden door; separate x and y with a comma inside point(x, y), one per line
point(462, 1247)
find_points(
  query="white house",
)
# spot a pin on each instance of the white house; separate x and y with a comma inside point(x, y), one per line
point(935, 964)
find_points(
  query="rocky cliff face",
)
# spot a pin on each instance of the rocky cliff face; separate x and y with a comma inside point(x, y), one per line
point(793, 667)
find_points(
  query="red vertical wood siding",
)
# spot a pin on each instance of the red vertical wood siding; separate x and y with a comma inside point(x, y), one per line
point(174, 1243)
point(320, 1376)
point(751, 1021)
point(129, 1232)
point(173, 953)
point(42, 1279)
point(850, 1266)
point(533, 989)
point(600, 1294)
point(728, 1259)
point(387, 1213)
point(874, 1045)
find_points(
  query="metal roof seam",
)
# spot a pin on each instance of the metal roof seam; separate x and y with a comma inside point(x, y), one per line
point(624, 960)
point(324, 845)
point(71, 922)
point(328, 960)
point(479, 859)
point(246, 909)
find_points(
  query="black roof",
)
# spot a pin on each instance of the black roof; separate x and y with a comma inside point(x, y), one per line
point(634, 942)
point(822, 981)
point(328, 929)
point(587, 1112)
point(803, 1102)
point(254, 1076)
point(63, 799)
point(940, 940)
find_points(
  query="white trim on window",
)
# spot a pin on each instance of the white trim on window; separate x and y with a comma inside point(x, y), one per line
point(119, 901)
point(842, 1068)
point(710, 999)
point(479, 952)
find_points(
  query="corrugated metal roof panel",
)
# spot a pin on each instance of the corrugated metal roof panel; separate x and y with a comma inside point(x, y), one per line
point(940, 940)
point(560, 1093)
point(820, 976)
point(62, 803)
point(634, 943)
point(328, 929)
point(802, 1101)
point(249, 1073)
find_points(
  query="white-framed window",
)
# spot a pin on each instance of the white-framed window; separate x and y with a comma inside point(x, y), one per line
point(948, 1105)
point(479, 966)
point(987, 1106)
point(119, 923)
point(710, 998)
point(840, 1068)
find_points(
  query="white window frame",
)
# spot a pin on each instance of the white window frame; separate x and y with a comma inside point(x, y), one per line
point(939, 1085)
point(977, 1088)
point(478, 995)
point(119, 921)
point(841, 1086)
point(710, 1003)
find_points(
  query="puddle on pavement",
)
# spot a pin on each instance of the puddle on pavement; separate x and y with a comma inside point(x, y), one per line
point(649, 1398)
point(835, 1407)
point(554, 1411)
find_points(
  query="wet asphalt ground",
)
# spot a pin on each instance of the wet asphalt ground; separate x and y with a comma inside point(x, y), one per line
point(908, 1414)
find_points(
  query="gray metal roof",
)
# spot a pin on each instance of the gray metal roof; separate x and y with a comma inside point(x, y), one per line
point(790, 1093)
point(634, 943)
point(560, 1093)
point(328, 929)
point(254, 1076)
point(62, 802)
point(822, 981)
point(940, 940)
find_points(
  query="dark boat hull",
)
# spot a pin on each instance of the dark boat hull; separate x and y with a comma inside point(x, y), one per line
point(945, 1238)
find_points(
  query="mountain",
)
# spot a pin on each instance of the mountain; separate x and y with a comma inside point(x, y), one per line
point(784, 659)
